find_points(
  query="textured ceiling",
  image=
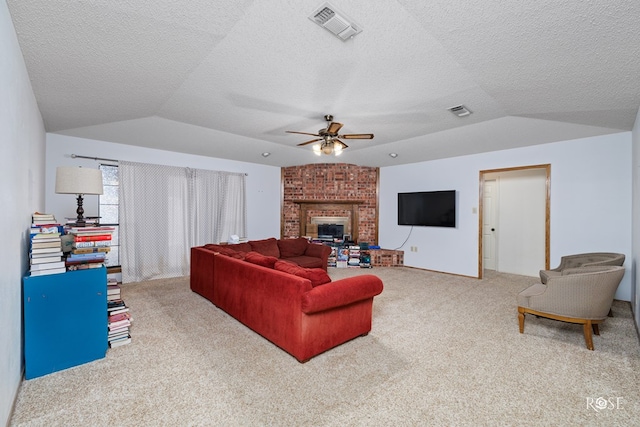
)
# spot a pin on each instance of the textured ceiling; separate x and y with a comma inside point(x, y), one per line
point(226, 78)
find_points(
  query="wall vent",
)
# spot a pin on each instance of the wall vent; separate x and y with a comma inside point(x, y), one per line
point(460, 110)
point(335, 22)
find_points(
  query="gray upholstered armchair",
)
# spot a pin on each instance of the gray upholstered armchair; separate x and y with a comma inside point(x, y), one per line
point(582, 260)
point(580, 295)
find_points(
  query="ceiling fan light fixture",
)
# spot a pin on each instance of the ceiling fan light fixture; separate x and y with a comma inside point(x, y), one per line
point(337, 149)
point(317, 149)
point(327, 147)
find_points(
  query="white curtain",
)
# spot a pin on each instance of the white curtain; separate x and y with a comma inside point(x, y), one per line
point(218, 205)
point(165, 210)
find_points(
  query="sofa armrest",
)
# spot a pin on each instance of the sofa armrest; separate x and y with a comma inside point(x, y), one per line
point(318, 250)
point(201, 280)
point(340, 293)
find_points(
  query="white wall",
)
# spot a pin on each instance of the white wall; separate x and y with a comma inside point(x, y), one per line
point(21, 173)
point(635, 260)
point(263, 182)
point(590, 202)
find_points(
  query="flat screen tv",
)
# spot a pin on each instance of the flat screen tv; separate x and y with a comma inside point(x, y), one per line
point(427, 208)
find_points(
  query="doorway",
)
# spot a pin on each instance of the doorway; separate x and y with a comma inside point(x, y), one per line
point(514, 220)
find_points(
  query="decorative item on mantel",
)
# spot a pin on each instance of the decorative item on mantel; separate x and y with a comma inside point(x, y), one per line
point(80, 181)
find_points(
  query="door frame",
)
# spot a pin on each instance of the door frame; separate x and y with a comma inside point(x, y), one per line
point(547, 221)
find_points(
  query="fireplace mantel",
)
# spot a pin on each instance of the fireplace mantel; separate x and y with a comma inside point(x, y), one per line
point(329, 205)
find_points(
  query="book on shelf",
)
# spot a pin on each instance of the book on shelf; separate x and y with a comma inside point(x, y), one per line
point(118, 333)
point(48, 271)
point(87, 266)
point(41, 215)
point(94, 256)
point(43, 235)
point(40, 245)
point(36, 229)
point(113, 289)
point(92, 244)
point(83, 261)
point(119, 324)
point(86, 230)
point(114, 304)
point(120, 342)
point(45, 260)
point(46, 265)
point(44, 252)
point(118, 317)
point(91, 250)
point(89, 221)
point(91, 237)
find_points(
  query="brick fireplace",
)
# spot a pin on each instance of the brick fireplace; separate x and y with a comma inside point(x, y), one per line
point(330, 190)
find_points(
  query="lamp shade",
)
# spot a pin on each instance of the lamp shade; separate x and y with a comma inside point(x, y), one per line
point(78, 180)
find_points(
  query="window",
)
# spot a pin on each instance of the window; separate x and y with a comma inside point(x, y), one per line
point(108, 211)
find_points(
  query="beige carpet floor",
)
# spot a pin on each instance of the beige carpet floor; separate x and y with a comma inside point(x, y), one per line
point(444, 351)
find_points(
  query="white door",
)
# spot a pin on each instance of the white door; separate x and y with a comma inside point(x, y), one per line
point(489, 220)
point(514, 221)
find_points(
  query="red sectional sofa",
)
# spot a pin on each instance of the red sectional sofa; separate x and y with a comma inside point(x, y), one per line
point(297, 308)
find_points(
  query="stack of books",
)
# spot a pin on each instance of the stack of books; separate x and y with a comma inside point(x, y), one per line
point(45, 248)
point(89, 246)
point(333, 257)
point(119, 317)
point(354, 256)
point(343, 257)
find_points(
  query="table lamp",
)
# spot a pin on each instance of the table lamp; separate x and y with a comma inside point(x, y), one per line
point(80, 181)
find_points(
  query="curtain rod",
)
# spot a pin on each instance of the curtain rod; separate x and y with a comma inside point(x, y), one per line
point(76, 156)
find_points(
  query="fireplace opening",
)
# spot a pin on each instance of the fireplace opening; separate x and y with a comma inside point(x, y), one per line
point(329, 232)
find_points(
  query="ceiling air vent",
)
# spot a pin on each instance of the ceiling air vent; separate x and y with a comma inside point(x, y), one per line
point(460, 110)
point(336, 22)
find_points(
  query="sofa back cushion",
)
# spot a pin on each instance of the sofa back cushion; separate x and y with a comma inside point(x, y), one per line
point(240, 247)
point(225, 250)
point(259, 259)
point(292, 247)
point(317, 276)
point(268, 247)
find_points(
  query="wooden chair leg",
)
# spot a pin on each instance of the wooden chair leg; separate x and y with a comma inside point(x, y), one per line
point(521, 320)
point(596, 328)
point(587, 334)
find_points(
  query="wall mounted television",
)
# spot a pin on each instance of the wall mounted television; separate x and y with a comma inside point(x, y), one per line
point(427, 208)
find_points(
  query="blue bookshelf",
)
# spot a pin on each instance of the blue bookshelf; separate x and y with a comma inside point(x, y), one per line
point(65, 321)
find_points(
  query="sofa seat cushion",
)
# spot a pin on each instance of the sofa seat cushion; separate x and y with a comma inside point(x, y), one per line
point(292, 247)
point(268, 247)
point(305, 261)
point(317, 276)
point(259, 259)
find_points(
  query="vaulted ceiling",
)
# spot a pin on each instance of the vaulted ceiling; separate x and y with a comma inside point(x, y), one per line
point(227, 78)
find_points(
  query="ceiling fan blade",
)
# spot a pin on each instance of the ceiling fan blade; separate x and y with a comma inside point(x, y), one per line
point(357, 136)
point(309, 142)
point(302, 133)
point(334, 127)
